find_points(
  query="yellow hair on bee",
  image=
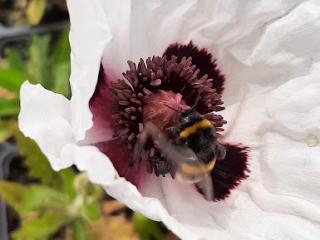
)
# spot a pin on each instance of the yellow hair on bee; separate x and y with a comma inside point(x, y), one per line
point(188, 169)
point(205, 123)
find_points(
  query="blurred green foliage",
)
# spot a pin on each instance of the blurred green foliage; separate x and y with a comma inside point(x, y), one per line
point(146, 228)
point(35, 10)
point(49, 66)
point(56, 200)
point(27, 12)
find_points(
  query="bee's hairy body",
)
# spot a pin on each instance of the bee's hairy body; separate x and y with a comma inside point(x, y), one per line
point(196, 132)
point(189, 154)
point(191, 151)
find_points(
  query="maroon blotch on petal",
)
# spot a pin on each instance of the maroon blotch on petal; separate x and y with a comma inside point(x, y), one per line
point(202, 59)
point(228, 173)
point(154, 90)
point(99, 104)
point(120, 157)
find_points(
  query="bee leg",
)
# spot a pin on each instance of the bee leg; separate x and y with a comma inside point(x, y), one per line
point(150, 132)
point(173, 130)
point(221, 152)
point(206, 187)
point(158, 165)
point(139, 151)
point(174, 155)
point(161, 167)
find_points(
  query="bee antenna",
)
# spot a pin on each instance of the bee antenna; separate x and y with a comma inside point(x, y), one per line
point(176, 110)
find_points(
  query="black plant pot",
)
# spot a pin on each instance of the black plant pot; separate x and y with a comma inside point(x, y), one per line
point(8, 154)
point(19, 37)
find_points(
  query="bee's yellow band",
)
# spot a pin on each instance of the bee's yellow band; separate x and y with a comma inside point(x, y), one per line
point(205, 123)
point(188, 169)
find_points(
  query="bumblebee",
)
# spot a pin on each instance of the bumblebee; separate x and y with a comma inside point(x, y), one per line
point(192, 151)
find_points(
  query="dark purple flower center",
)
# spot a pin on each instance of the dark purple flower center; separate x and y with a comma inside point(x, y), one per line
point(151, 91)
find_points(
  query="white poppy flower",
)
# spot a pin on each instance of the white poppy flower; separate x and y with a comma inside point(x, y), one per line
point(268, 52)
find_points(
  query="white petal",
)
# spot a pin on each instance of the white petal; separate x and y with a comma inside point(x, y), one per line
point(257, 44)
point(156, 210)
point(88, 158)
point(261, 46)
point(45, 117)
point(88, 37)
point(284, 179)
point(296, 104)
point(280, 44)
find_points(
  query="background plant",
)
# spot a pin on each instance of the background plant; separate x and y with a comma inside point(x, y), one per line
point(27, 12)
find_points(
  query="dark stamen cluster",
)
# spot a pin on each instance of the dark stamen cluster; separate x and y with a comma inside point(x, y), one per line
point(151, 76)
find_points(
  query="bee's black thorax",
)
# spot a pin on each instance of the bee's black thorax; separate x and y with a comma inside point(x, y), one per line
point(188, 118)
point(196, 132)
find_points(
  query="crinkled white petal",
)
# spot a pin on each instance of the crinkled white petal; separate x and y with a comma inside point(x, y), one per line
point(45, 117)
point(268, 51)
point(282, 189)
point(89, 35)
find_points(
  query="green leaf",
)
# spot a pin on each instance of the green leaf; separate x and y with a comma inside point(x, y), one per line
point(40, 196)
point(35, 11)
point(11, 79)
point(79, 230)
point(39, 166)
point(35, 160)
point(15, 61)
point(147, 228)
point(24, 199)
point(13, 194)
point(38, 62)
point(9, 107)
point(41, 227)
point(91, 208)
point(61, 50)
point(4, 131)
point(60, 62)
point(67, 176)
point(86, 188)
point(61, 73)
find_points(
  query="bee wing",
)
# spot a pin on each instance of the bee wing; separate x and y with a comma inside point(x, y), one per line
point(203, 180)
point(173, 153)
point(221, 152)
point(206, 187)
point(187, 165)
point(177, 156)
